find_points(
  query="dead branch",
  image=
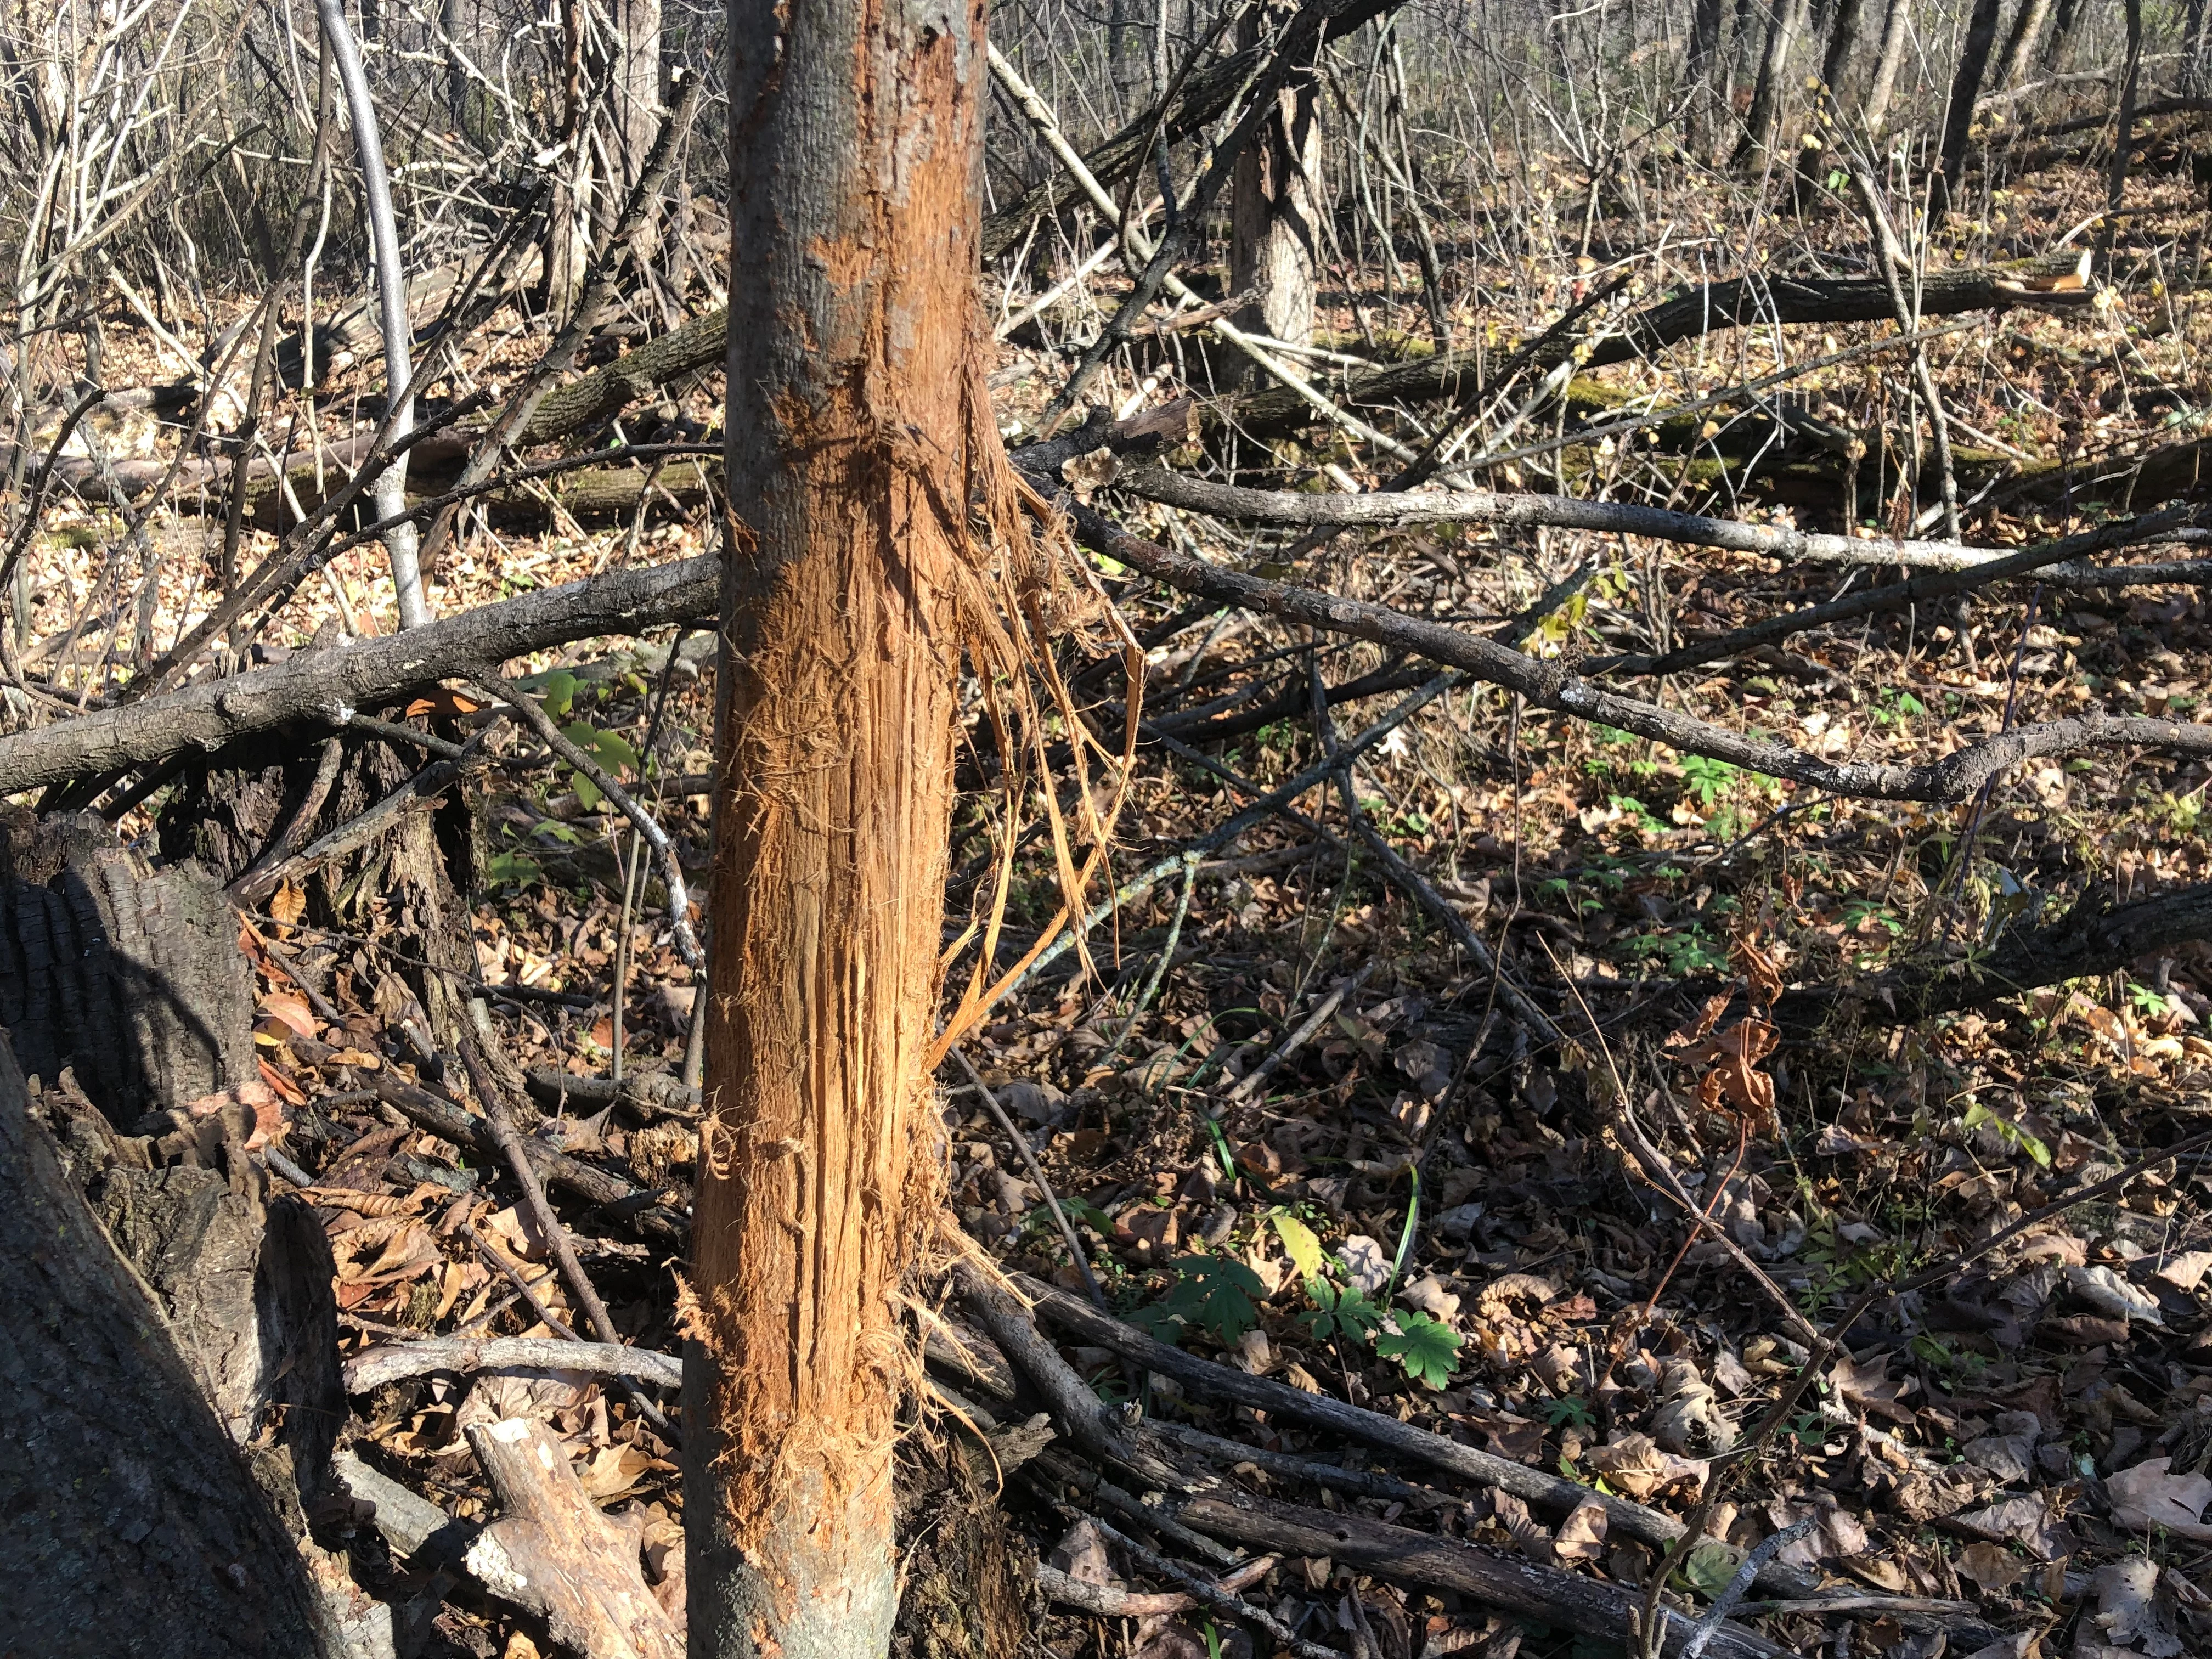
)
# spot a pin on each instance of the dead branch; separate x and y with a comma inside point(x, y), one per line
point(1551, 1491)
point(326, 684)
point(1739, 303)
point(1584, 1605)
point(391, 1362)
point(1549, 685)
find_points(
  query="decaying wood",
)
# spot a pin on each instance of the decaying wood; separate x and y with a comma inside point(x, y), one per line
point(323, 684)
point(136, 1528)
point(1588, 1606)
point(128, 975)
point(1739, 303)
point(2093, 937)
point(554, 1553)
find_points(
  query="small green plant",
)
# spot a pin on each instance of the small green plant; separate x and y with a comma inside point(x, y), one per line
point(1340, 1314)
point(1980, 1116)
point(1426, 1348)
point(1894, 708)
point(1569, 1411)
point(1808, 1429)
point(1707, 779)
point(1211, 1293)
point(1646, 821)
point(2148, 1001)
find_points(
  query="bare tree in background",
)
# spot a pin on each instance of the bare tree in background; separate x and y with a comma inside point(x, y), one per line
point(1274, 213)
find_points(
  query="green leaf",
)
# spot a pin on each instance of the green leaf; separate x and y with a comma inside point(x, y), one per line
point(588, 793)
point(583, 734)
point(1340, 1313)
point(1710, 1567)
point(512, 869)
point(1299, 1243)
point(1427, 1349)
point(1213, 1293)
point(560, 689)
point(615, 753)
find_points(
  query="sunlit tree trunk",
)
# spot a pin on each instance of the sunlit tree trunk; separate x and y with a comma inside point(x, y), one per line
point(1274, 212)
point(1881, 87)
point(854, 335)
point(1763, 121)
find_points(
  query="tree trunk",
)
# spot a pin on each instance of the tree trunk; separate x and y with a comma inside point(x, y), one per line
point(2116, 183)
point(1273, 214)
point(1835, 62)
point(855, 419)
point(1882, 86)
point(636, 109)
point(136, 1529)
point(2071, 13)
point(2020, 45)
point(1763, 122)
point(1965, 88)
point(1697, 76)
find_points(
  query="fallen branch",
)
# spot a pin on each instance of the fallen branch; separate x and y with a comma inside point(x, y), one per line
point(326, 684)
point(555, 1554)
point(1550, 685)
point(1553, 1493)
point(1292, 507)
point(392, 1362)
point(1587, 1606)
point(2091, 939)
point(1739, 303)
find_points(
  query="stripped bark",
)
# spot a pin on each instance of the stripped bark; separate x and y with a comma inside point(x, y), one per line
point(855, 415)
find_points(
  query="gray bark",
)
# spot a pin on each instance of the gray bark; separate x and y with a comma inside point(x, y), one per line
point(328, 684)
point(136, 1528)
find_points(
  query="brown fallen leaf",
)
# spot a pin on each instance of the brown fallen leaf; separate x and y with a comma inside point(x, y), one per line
point(1581, 1536)
point(2150, 1497)
point(1990, 1565)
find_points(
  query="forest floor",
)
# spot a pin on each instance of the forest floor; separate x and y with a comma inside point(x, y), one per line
point(1417, 1210)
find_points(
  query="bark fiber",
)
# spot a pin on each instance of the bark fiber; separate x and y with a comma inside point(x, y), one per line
point(854, 415)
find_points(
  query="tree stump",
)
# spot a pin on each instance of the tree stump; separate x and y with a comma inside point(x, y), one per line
point(130, 975)
point(136, 1528)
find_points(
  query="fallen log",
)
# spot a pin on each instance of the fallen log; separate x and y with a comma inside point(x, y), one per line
point(1589, 1607)
point(324, 684)
point(2095, 937)
point(1739, 303)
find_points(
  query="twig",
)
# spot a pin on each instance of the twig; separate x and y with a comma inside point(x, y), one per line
point(1890, 257)
point(671, 866)
point(1298, 1039)
point(493, 1099)
point(1160, 968)
point(34, 498)
point(1280, 1401)
point(1202, 1588)
point(1075, 1251)
point(1724, 1603)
